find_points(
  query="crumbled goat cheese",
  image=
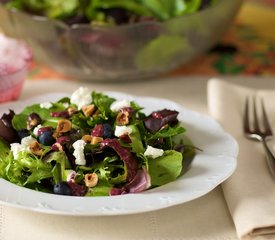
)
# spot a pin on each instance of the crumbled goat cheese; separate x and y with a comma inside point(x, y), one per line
point(79, 152)
point(122, 130)
point(117, 105)
point(71, 174)
point(16, 148)
point(26, 141)
point(153, 152)
point(81, 97)
point(35, 130)
point(46, 105)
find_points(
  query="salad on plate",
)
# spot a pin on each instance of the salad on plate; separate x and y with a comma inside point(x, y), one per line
point(91, 144)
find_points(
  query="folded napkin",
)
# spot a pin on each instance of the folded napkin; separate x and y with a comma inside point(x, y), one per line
point(250, 191)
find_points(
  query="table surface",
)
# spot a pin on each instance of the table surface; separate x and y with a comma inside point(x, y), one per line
point(245, 55)
point(205, 218)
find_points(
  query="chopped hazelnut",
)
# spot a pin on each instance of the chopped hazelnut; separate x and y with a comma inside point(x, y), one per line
point(87, 138)
point(92, 139)
point(63, 125)
point(36, 148)
point(96, 140)
point(71, 111)
point(122, 118)
point(88, 110)
point(91, 179)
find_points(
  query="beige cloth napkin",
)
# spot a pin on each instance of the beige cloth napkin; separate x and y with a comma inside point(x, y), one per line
point(250, 191)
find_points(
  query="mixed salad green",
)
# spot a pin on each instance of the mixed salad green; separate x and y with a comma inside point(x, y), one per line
point(110, 11)
point(91, 144)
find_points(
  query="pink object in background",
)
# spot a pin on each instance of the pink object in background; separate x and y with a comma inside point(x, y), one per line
point(14, 58)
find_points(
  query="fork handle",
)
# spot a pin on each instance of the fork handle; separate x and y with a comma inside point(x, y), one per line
point(270, 158)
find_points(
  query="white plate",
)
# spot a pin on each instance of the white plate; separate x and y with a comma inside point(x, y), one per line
point(210, 167)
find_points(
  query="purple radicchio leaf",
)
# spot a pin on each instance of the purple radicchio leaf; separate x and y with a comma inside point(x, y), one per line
point(63, 114)
point(7, 132)
point(160, 118)
point(140, 182)
point(125, 155)
point(98, 130)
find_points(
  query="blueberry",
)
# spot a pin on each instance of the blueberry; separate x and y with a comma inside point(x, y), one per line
point(62, 188)
point(107, 130)
point(46, 138)
point(23, 133)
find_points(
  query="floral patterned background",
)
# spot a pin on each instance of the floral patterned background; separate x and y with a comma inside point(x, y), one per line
point(247, 48)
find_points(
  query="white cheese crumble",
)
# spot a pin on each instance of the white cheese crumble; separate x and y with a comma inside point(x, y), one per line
point(122, 130)
point(79, 152)
point(35, 130)
point(153, 152)
point(27, 141)
point(81, 97)
point(16, 148)
point(70, 175)
point(46, 105)
point(117, 105)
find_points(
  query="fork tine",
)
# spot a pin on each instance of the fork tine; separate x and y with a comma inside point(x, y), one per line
point(255, 115)
point(256, 133)
point(265, 119)
point(246, 118)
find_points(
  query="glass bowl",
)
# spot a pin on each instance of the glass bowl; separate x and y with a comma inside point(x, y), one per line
point(14, 58)
point(126, 52)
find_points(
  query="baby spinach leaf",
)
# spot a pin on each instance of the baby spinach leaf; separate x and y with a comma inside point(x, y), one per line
point(166, 168)
point(19, 121)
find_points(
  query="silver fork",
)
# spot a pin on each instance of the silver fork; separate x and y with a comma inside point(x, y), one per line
point(260, 132)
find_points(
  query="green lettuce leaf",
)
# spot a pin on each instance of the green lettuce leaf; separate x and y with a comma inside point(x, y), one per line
point(161, 50)
point(166, 168)
point(19, 121)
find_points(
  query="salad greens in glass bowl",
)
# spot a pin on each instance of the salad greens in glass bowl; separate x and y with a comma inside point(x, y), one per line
point(105, 40)
point(91, 144)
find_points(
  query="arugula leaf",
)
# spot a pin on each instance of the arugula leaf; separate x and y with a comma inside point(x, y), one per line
point(136, 142)
point(82, 122)
point(103, 103)
point(166, 133)
point(61, 163)
point(115, 171)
